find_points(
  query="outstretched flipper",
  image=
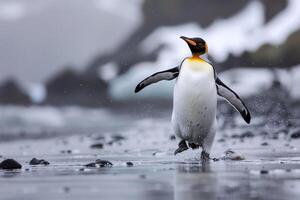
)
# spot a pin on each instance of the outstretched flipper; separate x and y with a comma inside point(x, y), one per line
point(159, 76)
point(224, 91)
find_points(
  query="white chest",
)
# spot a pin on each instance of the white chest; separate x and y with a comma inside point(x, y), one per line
point(195, 97)
point(196, 80)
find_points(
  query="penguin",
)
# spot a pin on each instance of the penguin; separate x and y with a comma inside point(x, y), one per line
point(195, 98)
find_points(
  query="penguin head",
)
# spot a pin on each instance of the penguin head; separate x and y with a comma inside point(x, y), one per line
point(197, 46)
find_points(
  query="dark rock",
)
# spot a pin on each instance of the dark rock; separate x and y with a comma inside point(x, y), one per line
point(221, 140)
point(103, 163)
point(10, 164)
point(129, 164)
point(98, 137)
point(172, 137)
point(275, 137)
point(97, 146)
point(91, 165)
point(264, 144)
point(263, 171)
point(35, 161)
point(269, 55)
point(271, 9)
point(74, 88)
point(295, 135)
point(11, 93)
point(66, 151)
point(247, 134)
point(142, 176)
point(99, 163)
point(116, 138)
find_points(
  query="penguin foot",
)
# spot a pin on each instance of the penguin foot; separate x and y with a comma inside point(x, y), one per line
point(194, 146)
point(181, 147)
point(204, 156)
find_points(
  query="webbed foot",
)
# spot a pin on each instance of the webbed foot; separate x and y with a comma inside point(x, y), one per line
point(181, 147)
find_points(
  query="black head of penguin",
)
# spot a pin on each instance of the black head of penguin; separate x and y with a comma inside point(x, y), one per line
point(197, 46)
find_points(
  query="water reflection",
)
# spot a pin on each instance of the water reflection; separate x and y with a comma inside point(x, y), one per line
point(194, 181)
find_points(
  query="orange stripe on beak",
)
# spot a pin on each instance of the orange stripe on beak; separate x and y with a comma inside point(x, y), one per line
point(189, 41)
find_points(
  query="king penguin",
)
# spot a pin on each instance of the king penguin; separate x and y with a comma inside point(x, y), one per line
point(195, 98)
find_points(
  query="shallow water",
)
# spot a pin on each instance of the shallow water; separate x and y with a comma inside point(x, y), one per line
point(269, 171)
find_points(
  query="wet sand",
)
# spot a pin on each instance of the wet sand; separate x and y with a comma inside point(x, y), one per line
point(270, 170)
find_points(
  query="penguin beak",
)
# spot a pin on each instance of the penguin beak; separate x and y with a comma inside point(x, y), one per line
point(189, 41)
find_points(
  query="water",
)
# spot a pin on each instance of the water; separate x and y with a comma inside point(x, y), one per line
point(269, 171)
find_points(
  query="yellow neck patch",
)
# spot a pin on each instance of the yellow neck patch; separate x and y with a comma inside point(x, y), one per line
point(195, 58)
point(196, 63)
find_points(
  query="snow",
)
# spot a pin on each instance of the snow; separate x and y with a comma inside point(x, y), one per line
point(247, 81)
point(123, 87)
point(242, 32)
point(108, 71)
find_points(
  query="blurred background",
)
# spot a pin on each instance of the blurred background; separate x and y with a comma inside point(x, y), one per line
point(68, 70)
point(63, 62)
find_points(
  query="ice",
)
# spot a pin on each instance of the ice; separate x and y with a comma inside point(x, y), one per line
point(123, 86)
point(247, 81)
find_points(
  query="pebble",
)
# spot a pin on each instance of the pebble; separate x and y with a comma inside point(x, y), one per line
point(264, 144)
point(221, 140)
point(172, 137)
point(142, 176)
point(97, 146)
point(99, 163)
point(263, 171)
point(66, 151)
point(35, 161)
point(129, 164)
point(10, 164)
point(295, 135)
point(231, 155)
